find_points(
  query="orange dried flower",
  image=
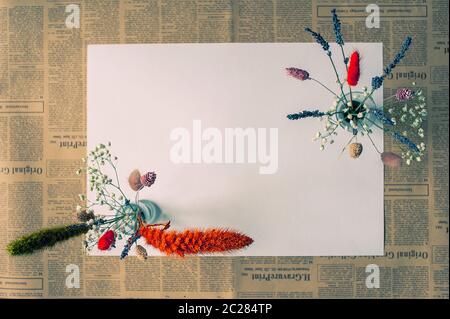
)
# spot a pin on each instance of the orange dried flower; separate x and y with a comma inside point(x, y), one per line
point(191, 242)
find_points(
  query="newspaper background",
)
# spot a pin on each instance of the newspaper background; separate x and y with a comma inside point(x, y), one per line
point(43, 138)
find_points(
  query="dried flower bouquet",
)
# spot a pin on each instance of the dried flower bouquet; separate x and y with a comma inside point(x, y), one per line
point(131, 220)
point(356, 112)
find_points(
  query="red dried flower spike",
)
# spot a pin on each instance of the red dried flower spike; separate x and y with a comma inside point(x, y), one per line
point(353, 69)
point(191, 242)
point(107, 239)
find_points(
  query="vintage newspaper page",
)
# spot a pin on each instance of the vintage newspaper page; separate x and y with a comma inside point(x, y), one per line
point(43, 138)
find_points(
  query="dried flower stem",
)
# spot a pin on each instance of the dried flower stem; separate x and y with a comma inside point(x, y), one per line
point(370, 138)
point(326, 87)
point(346, 68)
point(348, 143)
point(341, 86)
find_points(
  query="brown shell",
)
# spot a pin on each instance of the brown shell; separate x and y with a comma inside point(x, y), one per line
point(141, 253)
point(135, 180)
point(355, 150)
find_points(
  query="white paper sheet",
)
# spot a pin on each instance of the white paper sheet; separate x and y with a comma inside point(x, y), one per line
point(315, 202)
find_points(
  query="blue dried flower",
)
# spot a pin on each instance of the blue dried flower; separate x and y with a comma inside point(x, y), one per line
point(304, 114)
point(399, 56)
point(377, 82)
point(319, 39)
point(130, 242)
point(406, 141)
point(379, 114)
point(337, 28)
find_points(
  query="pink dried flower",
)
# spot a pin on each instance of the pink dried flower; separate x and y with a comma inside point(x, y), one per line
point(148, 179)
point(403, 94)
point(391, 159)
point(298, 73)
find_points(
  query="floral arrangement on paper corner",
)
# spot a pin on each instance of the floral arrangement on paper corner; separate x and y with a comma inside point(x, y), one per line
point(354, 111)
point(126, 221)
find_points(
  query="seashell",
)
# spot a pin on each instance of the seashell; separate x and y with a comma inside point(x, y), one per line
point(391, 159)
point(135, 180)
point(355, 149)
point(141, 253)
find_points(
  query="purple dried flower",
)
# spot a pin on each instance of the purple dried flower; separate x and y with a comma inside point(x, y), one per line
point(403, 94)
point(148, 179)
point(298, 73)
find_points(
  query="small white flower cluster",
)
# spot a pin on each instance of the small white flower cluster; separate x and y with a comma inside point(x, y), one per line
point(410, 156)
point(108, 194)
point(99, 181)
point(354, 120)
point(329, 131)
point(409, 117)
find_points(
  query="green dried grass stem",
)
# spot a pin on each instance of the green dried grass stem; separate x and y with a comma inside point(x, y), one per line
point(45, 238)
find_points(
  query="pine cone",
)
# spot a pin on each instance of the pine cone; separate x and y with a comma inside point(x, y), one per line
point(141, 253)
point(355, 149)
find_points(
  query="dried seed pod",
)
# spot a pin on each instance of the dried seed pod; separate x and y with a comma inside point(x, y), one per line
point(85, 216)
point(135, 180)
point(391, 159)
point(355, 149)
point(141, 253)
